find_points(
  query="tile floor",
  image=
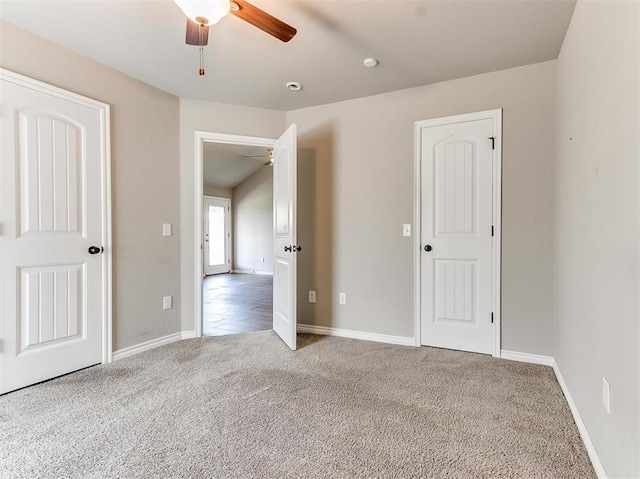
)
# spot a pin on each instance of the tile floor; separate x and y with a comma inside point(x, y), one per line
point(236, 303)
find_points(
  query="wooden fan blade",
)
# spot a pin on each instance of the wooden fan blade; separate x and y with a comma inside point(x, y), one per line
point(193, 33)
point(261, 19)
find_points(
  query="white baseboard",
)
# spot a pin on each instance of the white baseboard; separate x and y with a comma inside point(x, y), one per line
point(582, 429)
point(584, 434)
point(248, 271)
point(153, 343)
point(527, 357)
point(347, 333)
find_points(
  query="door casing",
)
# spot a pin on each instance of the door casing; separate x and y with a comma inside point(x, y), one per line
point(496, 117)
point(105, 165)
point(202, 137)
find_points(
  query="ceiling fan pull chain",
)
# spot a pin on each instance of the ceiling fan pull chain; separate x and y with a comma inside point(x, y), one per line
point(201, 32)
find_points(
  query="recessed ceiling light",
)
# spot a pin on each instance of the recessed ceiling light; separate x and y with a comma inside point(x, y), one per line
point(294, 86)
point(370, 62)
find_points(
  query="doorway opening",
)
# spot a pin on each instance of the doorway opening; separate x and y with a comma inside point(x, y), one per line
point(284, 237)
point(237, 241)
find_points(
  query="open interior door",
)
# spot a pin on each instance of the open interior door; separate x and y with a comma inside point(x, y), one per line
point(284, 236)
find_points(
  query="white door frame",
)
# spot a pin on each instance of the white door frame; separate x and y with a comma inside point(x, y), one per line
point(202, 137)
point(228, 226)
point(496, 117)
point(105, 164)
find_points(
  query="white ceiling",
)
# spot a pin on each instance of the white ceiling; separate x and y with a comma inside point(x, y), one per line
point(226, 166)
point(417, 42)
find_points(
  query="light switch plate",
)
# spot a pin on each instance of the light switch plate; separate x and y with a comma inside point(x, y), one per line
point(166, 229)
point(406, 230)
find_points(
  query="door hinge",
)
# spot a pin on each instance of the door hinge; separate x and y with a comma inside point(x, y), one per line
point(493, 142)
point(491, 230)
point(491, 318)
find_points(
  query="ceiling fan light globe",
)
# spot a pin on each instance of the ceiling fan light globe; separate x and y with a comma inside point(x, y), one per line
point(204, 12)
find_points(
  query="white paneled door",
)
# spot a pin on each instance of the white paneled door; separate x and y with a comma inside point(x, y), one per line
point(457, 234)
point(54, 222)
point(217, 235)
point(284, 232)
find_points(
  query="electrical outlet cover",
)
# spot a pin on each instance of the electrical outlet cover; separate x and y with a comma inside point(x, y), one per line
point(167, 302)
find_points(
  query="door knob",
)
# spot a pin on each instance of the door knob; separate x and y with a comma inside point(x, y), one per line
point(95, 249)
point(287, 248)
point(297, 249)
point(427, 247)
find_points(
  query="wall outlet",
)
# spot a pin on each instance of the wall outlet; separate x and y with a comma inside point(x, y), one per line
point(342, 298)
point(312, 296)
point(606, 396)
point(167, 302)
point(166, 229)
point(406, 230)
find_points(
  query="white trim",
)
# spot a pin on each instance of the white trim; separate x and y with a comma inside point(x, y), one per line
point(201, 137)
point(247, 271)
point(103, 110)
point(152, 344)
point(582, 429)
point(347, 333)
point(496, 116)
point(497, 239)
point(527, 357)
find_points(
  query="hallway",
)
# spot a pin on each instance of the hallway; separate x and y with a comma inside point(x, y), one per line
point(236, 303)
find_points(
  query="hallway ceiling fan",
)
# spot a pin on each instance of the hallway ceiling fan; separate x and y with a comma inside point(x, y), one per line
point(201, 14)
point(270, 156)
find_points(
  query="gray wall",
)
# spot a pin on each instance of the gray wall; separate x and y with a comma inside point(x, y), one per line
point(217, 191)
point(597, 254)
point(356, 190)
point(218, 118)
point(253, 223)
point(144, 141)
point(356, 161)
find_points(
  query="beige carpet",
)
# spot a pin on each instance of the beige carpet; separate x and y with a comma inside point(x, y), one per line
point(245, 406)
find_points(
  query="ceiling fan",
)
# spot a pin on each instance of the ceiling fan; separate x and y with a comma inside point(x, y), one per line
point(270, 156)
point(201, 14)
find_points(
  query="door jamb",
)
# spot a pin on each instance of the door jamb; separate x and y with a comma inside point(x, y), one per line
point(202, 137)
point(496, 117)
point(105, 169)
